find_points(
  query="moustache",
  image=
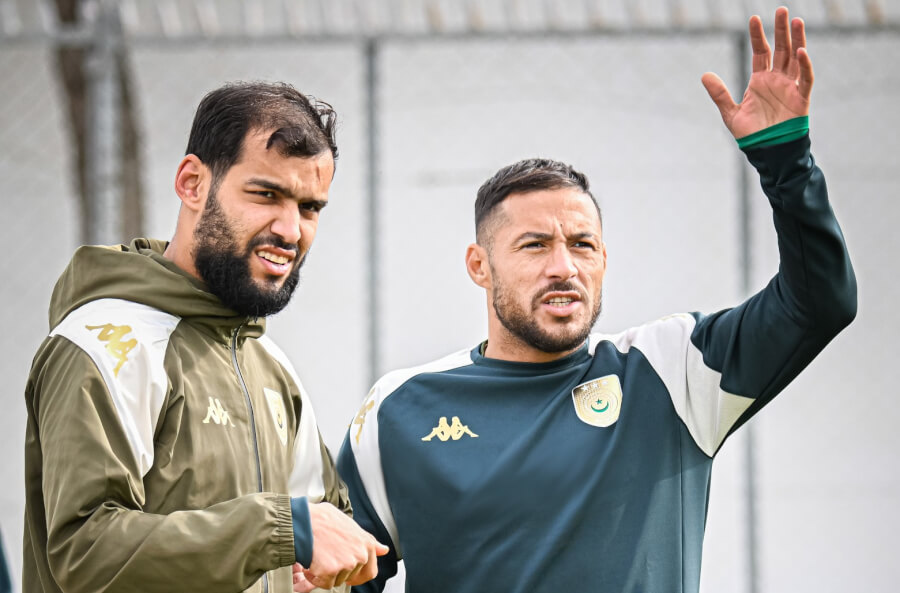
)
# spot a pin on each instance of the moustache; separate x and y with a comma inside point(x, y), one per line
point(560, 286)
point(272, 240)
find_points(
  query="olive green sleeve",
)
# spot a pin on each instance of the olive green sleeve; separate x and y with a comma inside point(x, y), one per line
point(97, 538)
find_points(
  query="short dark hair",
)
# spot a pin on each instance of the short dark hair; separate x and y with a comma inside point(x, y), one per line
point(303, 126)
point(525, 176)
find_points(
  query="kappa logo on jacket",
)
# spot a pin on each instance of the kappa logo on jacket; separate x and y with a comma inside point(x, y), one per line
point(115, 345)
point(444, 432)
point(216, 413)
point(363, 411)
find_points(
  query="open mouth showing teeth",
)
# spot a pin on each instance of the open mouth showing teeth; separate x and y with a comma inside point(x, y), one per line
point(275, 259)
point(560, 301)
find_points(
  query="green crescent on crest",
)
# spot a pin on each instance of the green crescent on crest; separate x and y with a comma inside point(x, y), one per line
point(601, 410)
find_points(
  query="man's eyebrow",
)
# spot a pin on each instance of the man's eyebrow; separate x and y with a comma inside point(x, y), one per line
point(534, 235)
point(271, 185)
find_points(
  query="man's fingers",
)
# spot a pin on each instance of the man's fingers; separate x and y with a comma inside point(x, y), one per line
point(342, 576)
point(781, 61)
point(343, 551)
point(798, 42)
point(353, 575)
point(760, 46)
point(301, 584)
point(805, 83)
point(320, 582)
point(719, 94)
point(366, 572)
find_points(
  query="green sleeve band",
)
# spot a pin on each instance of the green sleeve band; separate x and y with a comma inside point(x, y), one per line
point(777, 134)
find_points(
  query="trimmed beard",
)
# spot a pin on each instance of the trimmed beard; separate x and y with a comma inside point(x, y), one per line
point(226, 271)
point(522, 324)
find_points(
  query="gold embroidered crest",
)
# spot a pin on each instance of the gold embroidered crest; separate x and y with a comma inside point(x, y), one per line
point(279, 416)
point(599, 401)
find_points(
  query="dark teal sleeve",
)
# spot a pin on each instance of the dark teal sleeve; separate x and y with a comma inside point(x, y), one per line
point(303, 537)
point(364, 514)
point(764, 343)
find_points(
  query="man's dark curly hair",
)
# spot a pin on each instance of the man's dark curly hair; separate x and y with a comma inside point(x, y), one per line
point(301, 126)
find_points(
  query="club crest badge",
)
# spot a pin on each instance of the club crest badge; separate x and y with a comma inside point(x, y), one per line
point(598, 402)
point(276, 407)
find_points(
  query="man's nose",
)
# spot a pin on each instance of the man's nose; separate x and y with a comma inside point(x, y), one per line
point(561, 264)
point(286, 224)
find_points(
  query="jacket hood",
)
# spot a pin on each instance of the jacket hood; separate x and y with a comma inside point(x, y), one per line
point(140, 273)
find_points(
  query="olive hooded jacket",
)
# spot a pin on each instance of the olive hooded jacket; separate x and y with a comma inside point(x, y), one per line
point(166, 436)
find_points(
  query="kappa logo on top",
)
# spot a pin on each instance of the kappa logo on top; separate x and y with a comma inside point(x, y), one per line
point(444, 432)
point(599, 401)
point(117, 347)
point(216, 413)
point(360, 419)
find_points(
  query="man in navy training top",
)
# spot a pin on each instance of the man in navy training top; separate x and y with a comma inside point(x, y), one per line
point(551, 459)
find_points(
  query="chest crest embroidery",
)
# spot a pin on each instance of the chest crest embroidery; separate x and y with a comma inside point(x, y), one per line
point(279, 415)
point(599, 401)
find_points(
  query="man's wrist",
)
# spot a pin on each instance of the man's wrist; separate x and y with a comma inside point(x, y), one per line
point(303, 537)
point(778, 134)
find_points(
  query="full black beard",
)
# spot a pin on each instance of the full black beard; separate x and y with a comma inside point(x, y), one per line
point(226, 271)
point(522, 325)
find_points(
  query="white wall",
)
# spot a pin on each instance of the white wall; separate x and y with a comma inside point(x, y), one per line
point(632, 114)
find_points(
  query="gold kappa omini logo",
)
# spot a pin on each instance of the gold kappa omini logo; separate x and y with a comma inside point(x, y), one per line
point(363, 411)
point(444, 432)
point(216, 413)
point(115, 345)
point(599, 401)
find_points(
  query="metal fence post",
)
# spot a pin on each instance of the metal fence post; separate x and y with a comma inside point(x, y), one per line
point(371, 50)
point(745, 236)
point(103, 217)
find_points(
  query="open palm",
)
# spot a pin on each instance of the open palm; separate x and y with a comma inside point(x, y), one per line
point(779, 86)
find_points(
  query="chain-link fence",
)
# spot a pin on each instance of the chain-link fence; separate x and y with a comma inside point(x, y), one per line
point(424, 120)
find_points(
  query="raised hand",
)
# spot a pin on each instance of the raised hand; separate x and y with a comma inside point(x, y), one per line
point(780, 84)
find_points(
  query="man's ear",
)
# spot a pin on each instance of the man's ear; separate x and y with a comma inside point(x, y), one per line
point(192, 182)
point(478, 267)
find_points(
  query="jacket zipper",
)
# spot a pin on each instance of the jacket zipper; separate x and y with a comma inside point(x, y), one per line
point(240, 376)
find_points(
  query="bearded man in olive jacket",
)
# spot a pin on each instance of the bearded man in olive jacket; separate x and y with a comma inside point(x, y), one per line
point(170, 445)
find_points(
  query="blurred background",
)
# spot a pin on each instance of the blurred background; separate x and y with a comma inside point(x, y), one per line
point(433, 96)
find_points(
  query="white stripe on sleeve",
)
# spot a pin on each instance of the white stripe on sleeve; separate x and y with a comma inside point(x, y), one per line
point(707, 411)
point(127, 341)
point(367, 450)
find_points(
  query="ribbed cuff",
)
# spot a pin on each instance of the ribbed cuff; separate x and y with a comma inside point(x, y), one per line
point(777, 134)
point(284, 529)
point(303, 537)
